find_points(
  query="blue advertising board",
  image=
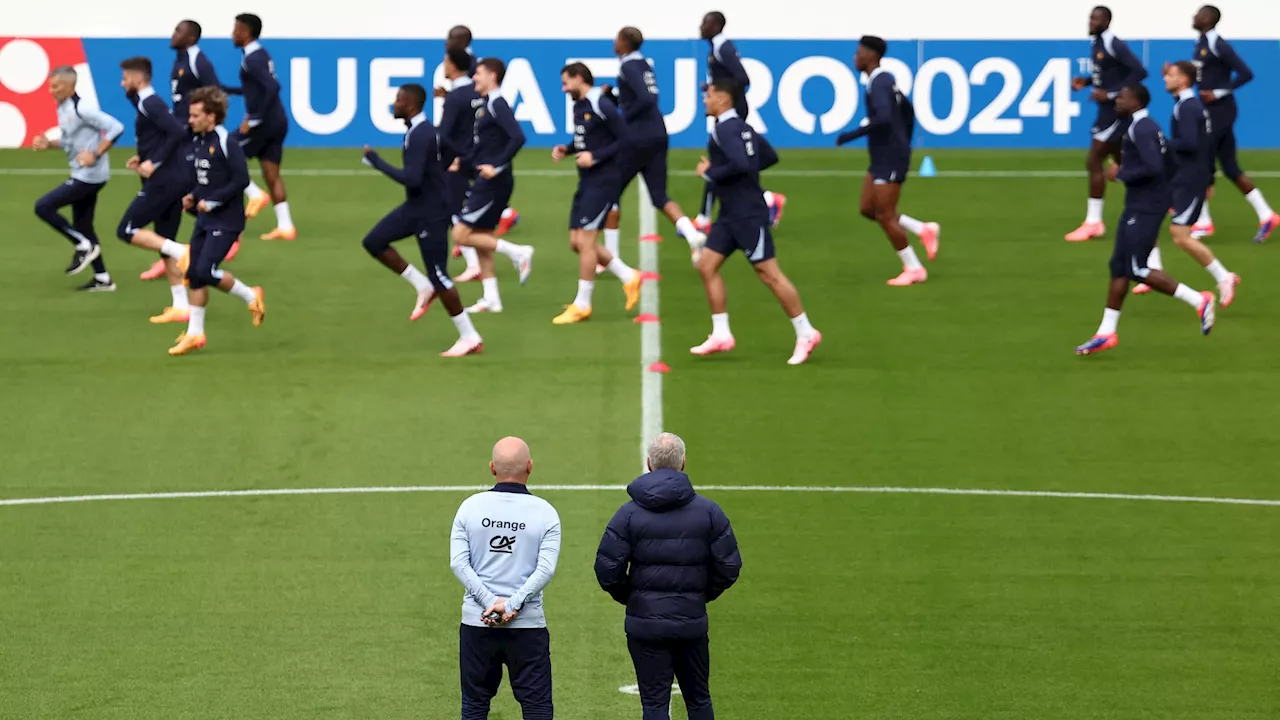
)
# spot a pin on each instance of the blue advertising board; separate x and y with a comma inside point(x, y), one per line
point(968, 94)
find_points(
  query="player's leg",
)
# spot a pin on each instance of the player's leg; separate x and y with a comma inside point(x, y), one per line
point(151, 206)
point(692, 661)
point(885, 196)
point(529, 660)
point(83, 212)
point(480, 668)
point(397, 225)
point(168, 225)
point(480, 215)
point(1186, 210)
point(1105, 337)
point(199, 272)
point(764, 261)
point(655, 670)
point(433, 243)
point(1107, 131)
point(47, 209)
point(1268, 220)
point(459, 185)
point(655, 179)
point(928, 232)
point(270, 159)
point(720, 243)
point(583, 243)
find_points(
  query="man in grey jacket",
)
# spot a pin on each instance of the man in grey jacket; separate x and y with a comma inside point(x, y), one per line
point(85, 135)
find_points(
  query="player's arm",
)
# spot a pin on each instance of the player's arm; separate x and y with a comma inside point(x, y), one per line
point(261, 72)
point(613, 556)
point(768, 156)
point(1241, 71)
point(727, 54)
point(448, 118)
point(415, 162)
point(1125, 56)
point(548, 555)
point(613, 119)
point(737, 157)
point(634, 74)
point(110, 128)
point(237, 176)
point(1149, 161)
point(460, 563)
point(879, 112)
point(726, 561)
point(515, 135)
point(1190, 130)
point(205, 72)
point(174, 132)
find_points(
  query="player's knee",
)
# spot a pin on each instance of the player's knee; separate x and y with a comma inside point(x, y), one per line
point(45, 209)
point(201, 275)
point(125, 231)
point(886, 216)
point(868, 211)
point(439, 280)
point(373, 245)
point(1184, 241)
point(1231, 168)
point(460, 234)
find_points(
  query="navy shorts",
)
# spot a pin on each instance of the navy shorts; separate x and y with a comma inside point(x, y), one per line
point(158, 203)
point(457, 184)
point(209, 247)
point(488, 198)
point(1108, 127)
point(892, 172)
point(1135, 240)
point(592, 202)
point(432, 237)
point(1222, 134)
point(754, 239)
point(650, 162)
point(263, 142)
point(1187, 203)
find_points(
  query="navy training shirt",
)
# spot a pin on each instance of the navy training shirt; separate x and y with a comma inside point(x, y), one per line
point(1220, 68)
point(497, 136)
point(192, 69)
point(260, 88)
point(1145, 167)
point(599, 130)
point(737, 156)
point(638, 98)
point(422, 175)
point(1189, 136)
point(161, 138)
point(724, 62)
point(458, 120)
point(1114, 64)
point(222, 174)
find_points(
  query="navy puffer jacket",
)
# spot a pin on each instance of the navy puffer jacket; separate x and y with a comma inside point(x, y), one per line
point(665, 555)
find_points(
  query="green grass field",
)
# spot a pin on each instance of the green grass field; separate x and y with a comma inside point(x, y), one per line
point(850, 605)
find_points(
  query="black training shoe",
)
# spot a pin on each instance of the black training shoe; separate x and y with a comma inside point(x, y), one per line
point(96, 285)
point(82, 259)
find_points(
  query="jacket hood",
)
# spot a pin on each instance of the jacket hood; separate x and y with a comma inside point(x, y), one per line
point(662, 490)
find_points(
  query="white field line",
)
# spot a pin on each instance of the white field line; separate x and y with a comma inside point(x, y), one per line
point(650, 333)
point(836, 489)
point(779, 172)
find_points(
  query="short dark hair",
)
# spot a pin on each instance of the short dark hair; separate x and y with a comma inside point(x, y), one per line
point(1106, 11)
point(727, 85)
point(460, 31)
point(875, 44)
point(212, 99)
point(194, 26)
point(717, 18)
point(417, 92)
point(1188, 69)
point(460, 58)
point(1215, 12)
point(251, 21)
point(137, 63)
point(495, 66)
point(632, 36)
point(1141, 92)
point(580, 71)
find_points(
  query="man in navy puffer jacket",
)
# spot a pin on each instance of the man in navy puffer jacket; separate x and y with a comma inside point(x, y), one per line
point(665, 555)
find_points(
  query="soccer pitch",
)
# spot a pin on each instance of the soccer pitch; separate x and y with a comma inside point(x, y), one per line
point(868, 604)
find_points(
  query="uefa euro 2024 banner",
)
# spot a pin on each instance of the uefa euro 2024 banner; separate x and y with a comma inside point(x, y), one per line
point(967, 93)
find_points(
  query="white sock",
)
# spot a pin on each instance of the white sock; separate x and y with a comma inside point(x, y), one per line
point(511, 250)
point(768, 198)
point(685, 227)
point(244, 292)
point(1205, 217)
point(472, 257)
point(195, 321)
point(720, 325)
point(491, 295)
point(102, 277)
point(466, 329)
point(802, 326)
point(702, 219)
point(506, 213)
point(173, 249)
point(612, 240)
point(1153, 260)
point(83, 245)
point(253, 191)
point(909, 259)
point(585, 288)
point(1188, 296)
point(1259, 204)
point(621, 270)
point(283, 220)
point(179, 293)
point(1094, 213)
point(910, 224)
point(416, 278)
point(1110, 319)
point(1218, 271)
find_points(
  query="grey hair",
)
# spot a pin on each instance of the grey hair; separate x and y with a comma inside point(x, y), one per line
point(666, 452)
point(65, 72)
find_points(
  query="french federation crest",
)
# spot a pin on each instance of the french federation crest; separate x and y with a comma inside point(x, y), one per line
point(210, 149)
point(181, 71)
